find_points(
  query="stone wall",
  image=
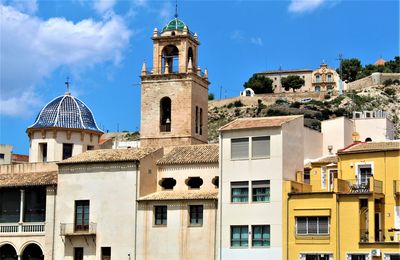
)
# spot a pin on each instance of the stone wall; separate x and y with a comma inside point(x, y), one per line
point(375, 79)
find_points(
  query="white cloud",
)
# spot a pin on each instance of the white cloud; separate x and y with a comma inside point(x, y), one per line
point(301, 6)
point(237, 35)
point(32, 49)
point(256, 40)
point(103, 6)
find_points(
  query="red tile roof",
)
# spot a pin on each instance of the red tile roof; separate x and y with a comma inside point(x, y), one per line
point(260, 122)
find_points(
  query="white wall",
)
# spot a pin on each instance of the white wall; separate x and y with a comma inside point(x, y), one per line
point(6, 149)
point(111, 189)
point(312, 143)
point(378, 129)
point(55, 144)
point(337, 133)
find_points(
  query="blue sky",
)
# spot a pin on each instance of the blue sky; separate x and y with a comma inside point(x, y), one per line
point(101, 45)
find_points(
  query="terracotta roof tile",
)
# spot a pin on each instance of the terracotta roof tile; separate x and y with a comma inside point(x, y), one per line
point(110, 155)
point(28, 179)
point(326, 160)
point(181, 195)
point(370, 147)
point(202, 153)
point(260, 122)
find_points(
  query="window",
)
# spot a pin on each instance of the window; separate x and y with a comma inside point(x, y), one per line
point(317, 78)
point(196, 214)
point(201, 121)
point(35, 205)
point(165, 114)
point(43, 152)
point(1, 155)
point(240, 191)
point(329, 78)
point(260, 191)
point(318, 256)
point(10, 205)
point(364, 172)
point(196, 122)
point(239, 148)
point(194, 182)
point(106, 253)
point(317, 88)
point(167, 183)
point(215, 181)
point(89, 148)
point(239, 236)
point(312, 225)
point(357, 257)
point(261, 236)
point(81, 215)
point(392, 256)
point(307, 176)
point(260, 147)
point(78, 253)
point(160, 213)
point(67, 151)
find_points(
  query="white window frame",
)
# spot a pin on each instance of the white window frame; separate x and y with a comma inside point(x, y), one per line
point(360, 165)
point(314, 234)
point(367, 254)
point(303, 255)
point(386, 256)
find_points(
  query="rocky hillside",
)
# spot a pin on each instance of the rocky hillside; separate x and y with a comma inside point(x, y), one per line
point(318, 109)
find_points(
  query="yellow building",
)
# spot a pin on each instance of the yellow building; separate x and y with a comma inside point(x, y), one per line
point(347, 207)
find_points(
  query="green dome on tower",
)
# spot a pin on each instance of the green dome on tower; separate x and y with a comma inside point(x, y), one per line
point(174, 25)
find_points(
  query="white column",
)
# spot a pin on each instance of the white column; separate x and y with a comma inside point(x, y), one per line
point(21, 210)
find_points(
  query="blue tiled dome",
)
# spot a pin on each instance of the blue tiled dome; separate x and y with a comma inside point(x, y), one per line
point(66, 112)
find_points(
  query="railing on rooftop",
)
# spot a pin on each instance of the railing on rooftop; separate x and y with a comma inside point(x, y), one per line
point(175, 70)
point(372, 185)
point(33, 227)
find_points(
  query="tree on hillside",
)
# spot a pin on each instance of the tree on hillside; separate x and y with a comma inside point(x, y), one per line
point(350, 69)
point(210, 96)
point(292, 82)
point(259, 84)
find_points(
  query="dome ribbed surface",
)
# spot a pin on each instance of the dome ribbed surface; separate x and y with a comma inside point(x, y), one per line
point(174, 25)
point(66, 112)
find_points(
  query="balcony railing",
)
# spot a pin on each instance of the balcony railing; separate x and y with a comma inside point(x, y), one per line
point(372, 185)
point(71, 229)
point(22, 227)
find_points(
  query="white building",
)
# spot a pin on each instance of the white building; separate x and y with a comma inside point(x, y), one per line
point(256, 155)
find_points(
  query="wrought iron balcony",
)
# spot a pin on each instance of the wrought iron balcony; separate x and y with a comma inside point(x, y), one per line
point(71, 229)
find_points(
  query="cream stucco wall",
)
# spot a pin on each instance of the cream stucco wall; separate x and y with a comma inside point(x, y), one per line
point(312, 143)
point(178, 239)
point(336, 133)
point(6, 150)
point(55, 140)
point(111, 190)
point(378, 129)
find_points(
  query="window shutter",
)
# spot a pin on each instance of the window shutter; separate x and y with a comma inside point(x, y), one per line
point(260, 147)
point(240, 148)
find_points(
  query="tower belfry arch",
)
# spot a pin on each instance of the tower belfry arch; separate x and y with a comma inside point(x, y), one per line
point(174, 97)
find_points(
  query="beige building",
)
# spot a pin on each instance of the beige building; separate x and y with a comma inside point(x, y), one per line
point(95, 212)
point(257, 155)
point(5, 153)
point(323, 78)
point(174, 94)
point(182, 213)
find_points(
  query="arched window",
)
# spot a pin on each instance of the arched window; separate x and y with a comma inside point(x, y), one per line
point(32, 251)
point(190, 56)
point(8, 252)
point(215, 181)
point(170, 59)
point(165, 114)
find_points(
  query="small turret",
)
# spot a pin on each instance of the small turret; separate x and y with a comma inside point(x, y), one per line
point(190, 66)
point(155, 32)
point(205, 74)
point(144, 69)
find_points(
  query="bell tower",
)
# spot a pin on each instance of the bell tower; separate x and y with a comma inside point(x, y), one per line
point(174, 94)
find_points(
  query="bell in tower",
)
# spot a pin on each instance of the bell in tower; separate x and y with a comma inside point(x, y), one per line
point(174, 94)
